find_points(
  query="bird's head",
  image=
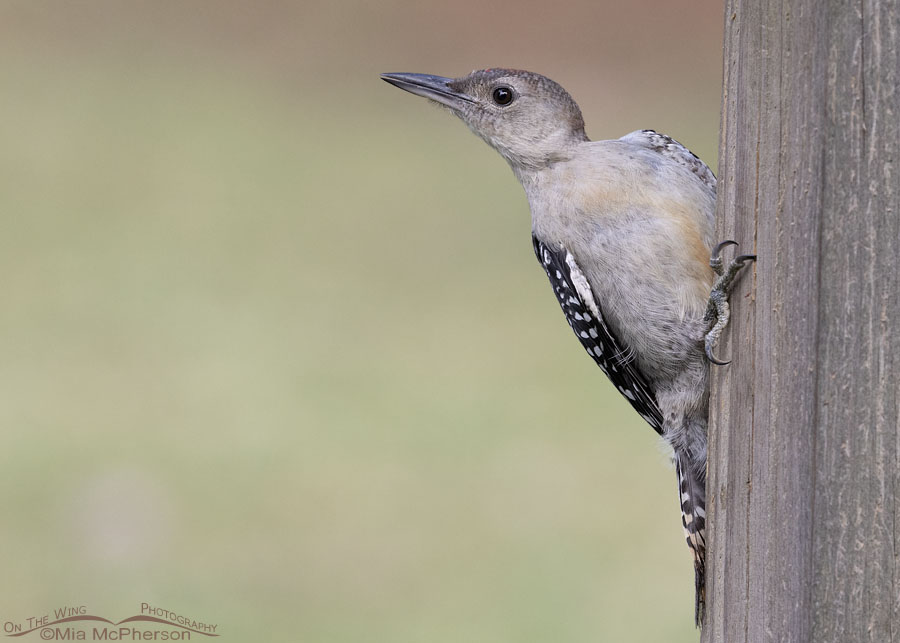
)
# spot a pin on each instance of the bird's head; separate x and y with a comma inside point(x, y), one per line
point(528, 118)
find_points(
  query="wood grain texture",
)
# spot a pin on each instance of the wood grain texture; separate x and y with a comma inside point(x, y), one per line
point(804, 435)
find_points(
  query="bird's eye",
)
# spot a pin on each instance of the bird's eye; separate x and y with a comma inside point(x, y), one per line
point(503, 95)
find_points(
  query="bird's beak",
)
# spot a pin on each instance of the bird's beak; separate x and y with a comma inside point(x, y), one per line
point(437, 88)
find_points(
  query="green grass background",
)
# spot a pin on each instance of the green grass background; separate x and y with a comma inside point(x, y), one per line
point(274, 349)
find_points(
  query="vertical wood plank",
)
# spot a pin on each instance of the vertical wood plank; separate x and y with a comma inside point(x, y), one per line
point(804, 541)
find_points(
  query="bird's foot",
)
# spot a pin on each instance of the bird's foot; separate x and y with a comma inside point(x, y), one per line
point(717, 309)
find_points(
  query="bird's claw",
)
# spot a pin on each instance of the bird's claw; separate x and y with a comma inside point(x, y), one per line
point(715, 261)
point(712, 358)
point(718, 309)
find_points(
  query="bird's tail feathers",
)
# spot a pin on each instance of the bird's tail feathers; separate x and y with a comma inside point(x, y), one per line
point(692, 498)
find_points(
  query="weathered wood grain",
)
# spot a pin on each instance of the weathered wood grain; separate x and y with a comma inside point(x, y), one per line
point(804, 436)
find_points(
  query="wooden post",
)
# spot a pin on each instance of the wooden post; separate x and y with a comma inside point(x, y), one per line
point(804, 475)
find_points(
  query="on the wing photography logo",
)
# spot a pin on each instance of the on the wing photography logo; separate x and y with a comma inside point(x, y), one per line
point(76, 624)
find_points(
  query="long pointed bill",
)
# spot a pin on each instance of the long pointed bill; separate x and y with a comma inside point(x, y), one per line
point(437, 88)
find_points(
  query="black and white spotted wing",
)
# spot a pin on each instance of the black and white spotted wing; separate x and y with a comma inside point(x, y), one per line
point(585, 316)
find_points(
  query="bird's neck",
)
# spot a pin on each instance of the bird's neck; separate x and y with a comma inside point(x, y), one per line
point(534, 156)
point(543, 176)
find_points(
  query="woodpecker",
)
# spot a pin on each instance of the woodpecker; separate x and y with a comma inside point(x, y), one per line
point(624, 230)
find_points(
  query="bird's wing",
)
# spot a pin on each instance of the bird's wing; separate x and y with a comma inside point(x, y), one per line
point(672, 149)
point(585, 316)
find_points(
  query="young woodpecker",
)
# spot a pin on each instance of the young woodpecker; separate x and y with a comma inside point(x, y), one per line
point(624, 231)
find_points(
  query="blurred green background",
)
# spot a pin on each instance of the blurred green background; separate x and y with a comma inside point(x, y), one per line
point(275, 352)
